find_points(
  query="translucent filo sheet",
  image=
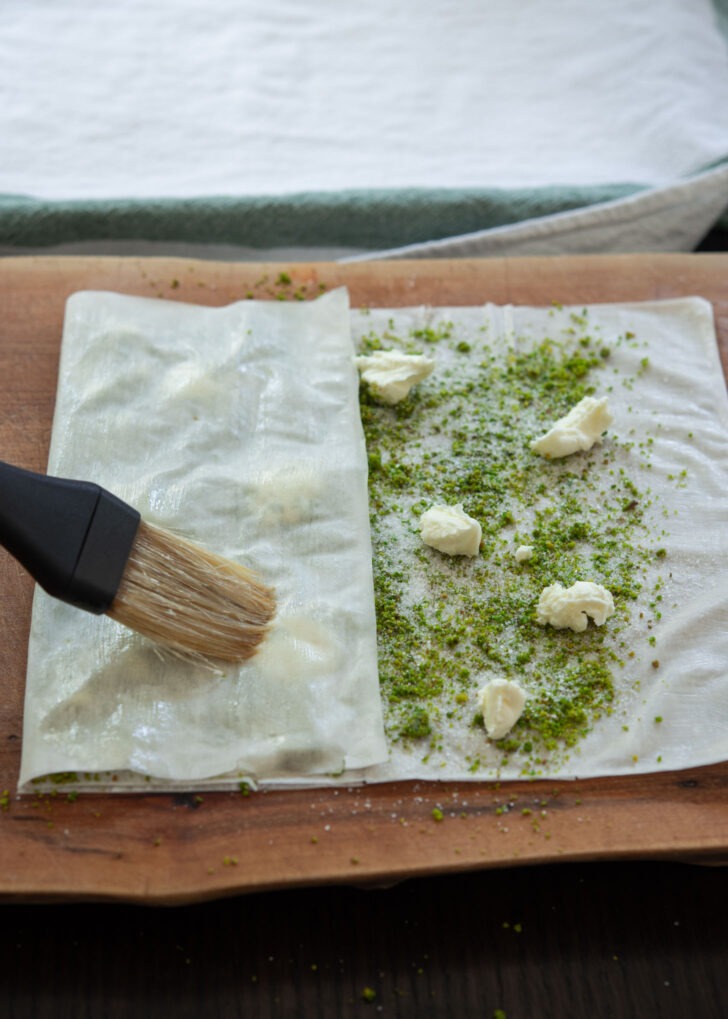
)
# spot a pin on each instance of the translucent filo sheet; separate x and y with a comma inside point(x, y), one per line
point(654, 492)
point(239, 428)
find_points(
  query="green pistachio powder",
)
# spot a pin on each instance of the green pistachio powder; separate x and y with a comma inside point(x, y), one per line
point(448, 623)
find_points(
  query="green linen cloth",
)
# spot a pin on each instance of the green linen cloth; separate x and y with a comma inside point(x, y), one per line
point(369, 219)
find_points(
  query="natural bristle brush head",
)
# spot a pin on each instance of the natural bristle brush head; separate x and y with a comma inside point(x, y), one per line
point(86, 547)
point(190, 600)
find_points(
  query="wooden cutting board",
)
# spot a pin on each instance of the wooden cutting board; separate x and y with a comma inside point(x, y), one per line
point(173, 849)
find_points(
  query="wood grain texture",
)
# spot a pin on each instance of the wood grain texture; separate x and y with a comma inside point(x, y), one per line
point(602, 941)
point(176, 849)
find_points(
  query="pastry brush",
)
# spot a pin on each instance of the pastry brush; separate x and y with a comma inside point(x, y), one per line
point(87, 547)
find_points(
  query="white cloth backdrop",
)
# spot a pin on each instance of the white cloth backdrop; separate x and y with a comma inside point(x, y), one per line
point(237, 98)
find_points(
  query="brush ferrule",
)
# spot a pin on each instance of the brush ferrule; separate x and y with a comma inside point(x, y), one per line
point(104, 554)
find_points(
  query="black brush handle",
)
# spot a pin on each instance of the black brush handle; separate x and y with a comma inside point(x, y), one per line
point(73, 537)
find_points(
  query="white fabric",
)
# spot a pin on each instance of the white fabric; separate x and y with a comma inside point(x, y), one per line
point(238, 427)
point(179, 98)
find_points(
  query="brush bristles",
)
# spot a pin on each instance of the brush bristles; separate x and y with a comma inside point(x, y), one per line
point(191, 601)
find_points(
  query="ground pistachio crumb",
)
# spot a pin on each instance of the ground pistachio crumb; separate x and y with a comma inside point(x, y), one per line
point(369, 994)
point(444, 623)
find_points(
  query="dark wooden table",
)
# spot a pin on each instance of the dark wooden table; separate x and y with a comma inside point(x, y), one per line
point(588, 941)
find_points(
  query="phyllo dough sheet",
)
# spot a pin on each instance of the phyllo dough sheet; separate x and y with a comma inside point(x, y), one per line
point(237, 427)
point(644, 512)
